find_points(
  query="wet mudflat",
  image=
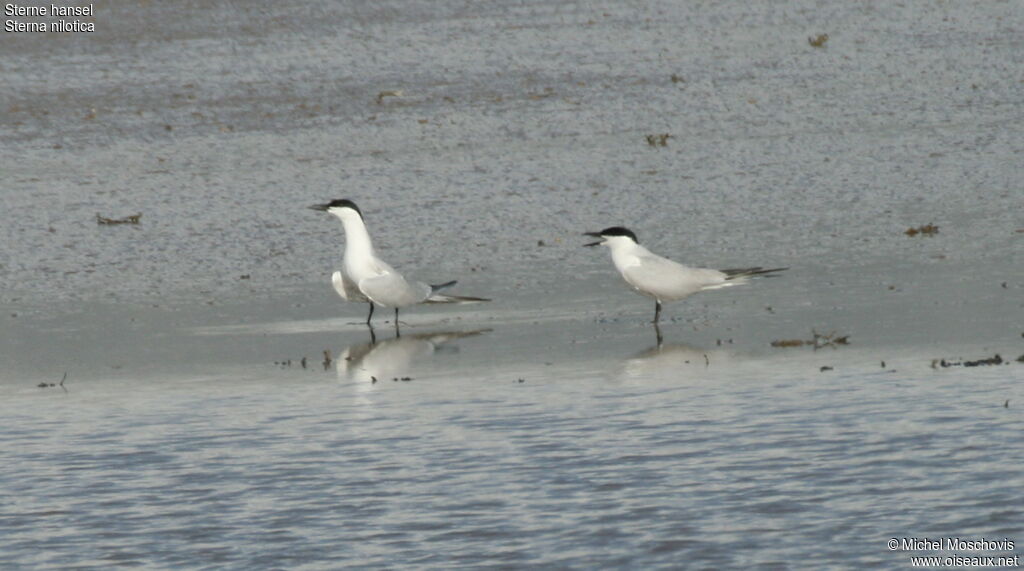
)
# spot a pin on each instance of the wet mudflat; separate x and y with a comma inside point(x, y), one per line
point(157, 249)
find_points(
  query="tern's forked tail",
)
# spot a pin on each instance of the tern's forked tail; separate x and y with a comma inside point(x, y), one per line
point(442, 298)
point(437, 297)
point(740, 274)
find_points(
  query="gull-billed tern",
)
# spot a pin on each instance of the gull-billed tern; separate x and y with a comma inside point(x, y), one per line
point(365, 277)
point(661, 278)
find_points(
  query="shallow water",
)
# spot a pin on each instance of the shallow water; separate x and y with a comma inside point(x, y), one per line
point(636, 459)
point(549, 427)
point(486, 439)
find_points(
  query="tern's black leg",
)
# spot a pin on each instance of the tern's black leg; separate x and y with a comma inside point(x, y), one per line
point(657, 332)
point(398, 333)
point(369, 317)
point(373, 335)
point(657, 311)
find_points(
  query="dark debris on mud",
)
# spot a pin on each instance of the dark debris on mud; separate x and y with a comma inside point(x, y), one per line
point(817, 341)
point(818, 41)
point(130, 219)
point(985, 362)
point(659, 140)
point(45, 385)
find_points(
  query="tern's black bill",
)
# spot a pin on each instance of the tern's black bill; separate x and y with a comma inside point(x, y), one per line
point(320, 207)
point(593, 235)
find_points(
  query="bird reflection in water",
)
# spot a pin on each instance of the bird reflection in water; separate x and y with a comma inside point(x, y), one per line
point(671, 360)
point(395, 357)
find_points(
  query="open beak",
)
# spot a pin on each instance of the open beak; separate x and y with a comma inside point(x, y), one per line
point(594, 235)
point(320, 207)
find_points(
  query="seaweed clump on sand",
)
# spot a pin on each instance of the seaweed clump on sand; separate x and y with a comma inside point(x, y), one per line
point(926, 230)
point(388, 93)
point(130, 219)
point(660, 140)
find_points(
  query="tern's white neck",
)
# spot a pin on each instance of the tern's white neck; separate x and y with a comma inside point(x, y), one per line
point(624, 250)
point(357, 239)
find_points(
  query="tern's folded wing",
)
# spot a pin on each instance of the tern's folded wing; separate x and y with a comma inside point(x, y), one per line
point(391, 290)
point(668, 280)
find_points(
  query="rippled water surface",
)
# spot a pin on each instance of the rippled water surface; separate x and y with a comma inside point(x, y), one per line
point(199, 424)
point(482, 446)
point(650, 464)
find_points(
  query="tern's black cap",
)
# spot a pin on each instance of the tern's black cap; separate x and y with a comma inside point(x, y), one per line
point(618, 231)
point(338, 203)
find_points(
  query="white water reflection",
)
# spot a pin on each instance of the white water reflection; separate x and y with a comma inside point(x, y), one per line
point(396, 357)
point(672, 361)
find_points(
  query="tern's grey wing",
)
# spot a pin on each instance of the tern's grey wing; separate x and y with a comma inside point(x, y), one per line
point(391, 290)
point(667, 280)
point(346, 288)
